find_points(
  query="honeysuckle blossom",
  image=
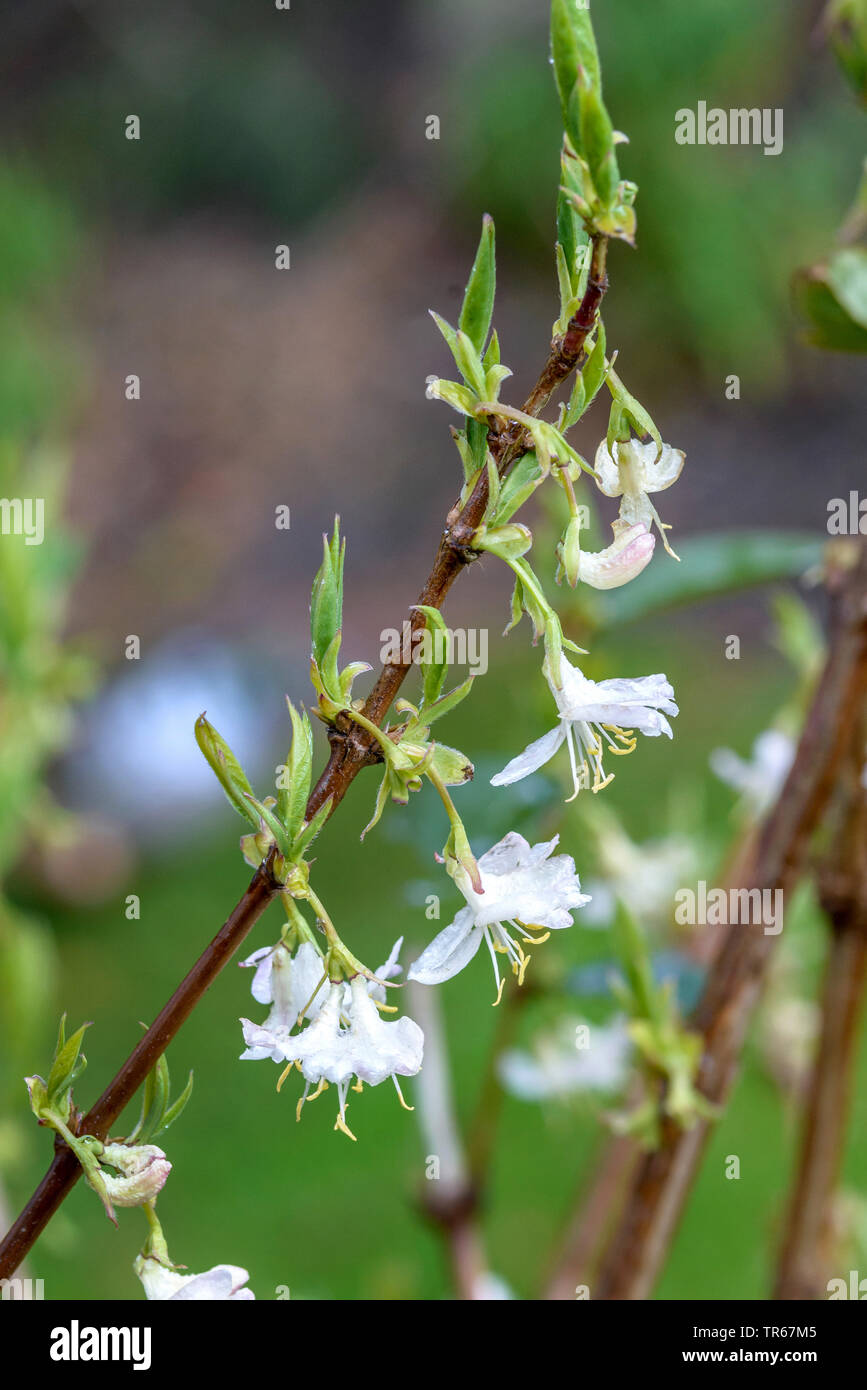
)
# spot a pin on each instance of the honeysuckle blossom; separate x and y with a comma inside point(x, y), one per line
point(524, 888)
point(289, 983)
point(220, 1283)
point(557, 1067)
point(142, 1173)
point(349, 1038)
point(595, 717)
point(644, 877)
point(632, 472)
point(345, 1036)
point(759, 779)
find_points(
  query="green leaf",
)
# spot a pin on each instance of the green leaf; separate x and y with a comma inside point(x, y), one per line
point(326, 603)
point(446, 703)
point(569, 233)
point(635, 956)
point(597, 140)
point(595, 368)
point(176, 1108)
point(330, 671)
point(711, 565)
point(226, 768)
point(832, 302)
point(564, 285)
point(434, 671)
point(847, 277)
point(308, 833)
point(274, 825)
point(477, 436)
point(155, 1097)
point(572, 47)
point(68, 1064)
point(465, 353)
point(478, 306)
point(292, 799)
point(519, 484)
point(492, 355)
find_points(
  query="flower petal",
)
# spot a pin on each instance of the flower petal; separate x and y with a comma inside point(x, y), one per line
point(532, 758)
point(452, 949)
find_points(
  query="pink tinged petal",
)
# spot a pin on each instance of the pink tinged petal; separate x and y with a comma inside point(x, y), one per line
point(144, 1169)
point(448, 953)
point(621, 561)
point(532, 758)
point(263, 1042)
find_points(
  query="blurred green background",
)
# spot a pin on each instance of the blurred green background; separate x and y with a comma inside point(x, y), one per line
point(305, 388)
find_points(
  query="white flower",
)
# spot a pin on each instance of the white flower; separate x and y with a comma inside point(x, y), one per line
point(349, 1038)
point(143, 1170)
point(220, 1283)
point(289, 984)
point(645, 877)
point(558, 1068)
point(633, 473)
point(345, 1036)
point(522, 887)
point(598, 716)
point(759, 779)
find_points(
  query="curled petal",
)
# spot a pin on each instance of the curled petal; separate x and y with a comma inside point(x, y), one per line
point(627, 555)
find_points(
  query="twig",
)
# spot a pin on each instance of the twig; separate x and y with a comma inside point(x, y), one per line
point(352, 748)
point(454, 1202)
point(593, 1217)
point(664, 1177)
point(803, 1266)
point(596, 1207)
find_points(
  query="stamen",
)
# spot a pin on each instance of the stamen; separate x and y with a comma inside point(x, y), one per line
point(298, 1107)
point(496, 971)
point(341, 1124)
point(400, 1094)
point(575, 782)
point(284, 1073)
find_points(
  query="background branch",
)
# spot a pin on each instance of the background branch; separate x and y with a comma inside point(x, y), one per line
point(806, 1246)
point(664, 1178)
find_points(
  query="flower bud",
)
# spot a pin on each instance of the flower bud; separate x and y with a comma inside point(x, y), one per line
point(143, 1171)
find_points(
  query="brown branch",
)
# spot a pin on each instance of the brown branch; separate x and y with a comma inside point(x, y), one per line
point(596, 1209)
point(352, 748)
point(806, 1246)
point(664, 1178)
point(592, 1218)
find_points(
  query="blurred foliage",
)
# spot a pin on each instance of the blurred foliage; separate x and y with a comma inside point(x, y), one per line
point(715, 225)
point(39, 677)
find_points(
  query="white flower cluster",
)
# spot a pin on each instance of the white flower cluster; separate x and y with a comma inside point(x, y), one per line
point(344, 1036)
